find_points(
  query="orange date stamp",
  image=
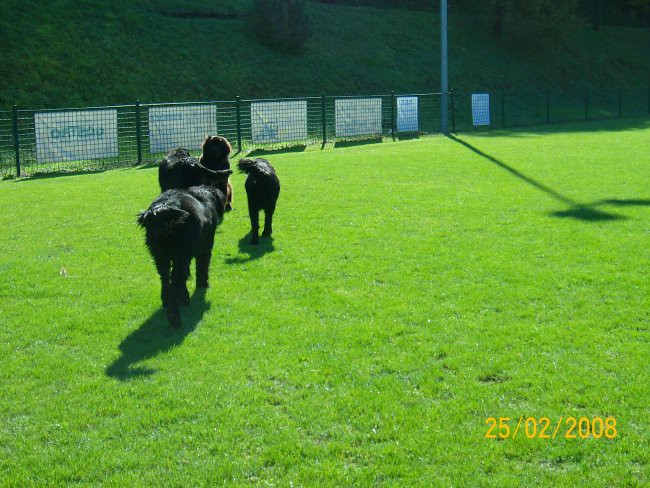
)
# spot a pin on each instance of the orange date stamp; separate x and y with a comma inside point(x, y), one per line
point(544, 428)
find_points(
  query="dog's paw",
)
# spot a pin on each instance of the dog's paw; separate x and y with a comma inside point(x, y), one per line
point(174, 318)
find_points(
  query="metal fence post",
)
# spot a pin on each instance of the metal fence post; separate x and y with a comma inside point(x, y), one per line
point(324, 119)
point(138, 133)
point(453, 112)
point(16, 140)
point(238, 103)
point(392, 114)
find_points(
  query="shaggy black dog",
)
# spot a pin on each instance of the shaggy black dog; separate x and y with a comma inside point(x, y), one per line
point(180, 225)
point(215, 151)
point(180, 170)
point(262, 189)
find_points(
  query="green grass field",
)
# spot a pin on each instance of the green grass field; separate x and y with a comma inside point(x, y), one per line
point(412, 290)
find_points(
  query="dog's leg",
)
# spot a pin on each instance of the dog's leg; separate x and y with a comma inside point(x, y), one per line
point(268, 221)
point(255, 223)
point(229, 193)
point(180, 274)
point(174, 315)
point(163, 266)
point(203, 264)
point(202, 269)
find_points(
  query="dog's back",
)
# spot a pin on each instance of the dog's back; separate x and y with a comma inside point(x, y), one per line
point(180, 170)
point(178, 210)
point(173, 222)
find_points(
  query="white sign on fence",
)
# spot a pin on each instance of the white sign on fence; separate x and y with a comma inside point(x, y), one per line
point(407, 114)
point(481, 108)
point(282, 121)
point(357, 116)
point(75, 135)
point(180, 126)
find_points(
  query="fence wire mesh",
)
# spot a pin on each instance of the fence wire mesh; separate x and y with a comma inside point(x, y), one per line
point(107, 137)
point(528, 106)
point(76, 139)
point(7, 153)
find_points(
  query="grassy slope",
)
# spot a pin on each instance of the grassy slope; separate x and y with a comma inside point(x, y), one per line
point(396, 310)
point(92, 52)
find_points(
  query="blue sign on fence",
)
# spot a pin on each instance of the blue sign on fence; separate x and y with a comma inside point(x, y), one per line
point(481, 108)
point(358, 117)
point(180, 126)
point(75, 135)
point(407, 114)
point(282, 121)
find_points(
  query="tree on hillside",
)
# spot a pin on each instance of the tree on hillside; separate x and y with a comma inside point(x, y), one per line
point(636, 12)
point(551, 17)
point(281, 24)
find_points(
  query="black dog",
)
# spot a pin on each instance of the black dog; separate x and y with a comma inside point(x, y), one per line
point(262, 189)
point(180, 225)
point(180, 170)
point(215, 151)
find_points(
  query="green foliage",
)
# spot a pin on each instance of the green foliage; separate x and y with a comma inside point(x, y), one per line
point(638, 11)
point(400, 4)
point(551, 18)
point(103, 53)
point(412, 290)
point(281, 24)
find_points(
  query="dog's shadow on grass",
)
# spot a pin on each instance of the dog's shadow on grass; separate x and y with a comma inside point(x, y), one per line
point(155, 336)
point(250, 252)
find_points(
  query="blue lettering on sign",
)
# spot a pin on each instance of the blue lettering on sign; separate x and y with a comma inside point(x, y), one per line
point(166, 117)
point(82, 132)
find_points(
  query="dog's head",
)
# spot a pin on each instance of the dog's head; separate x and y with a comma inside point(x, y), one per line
point(217, 179)
point(215, 153)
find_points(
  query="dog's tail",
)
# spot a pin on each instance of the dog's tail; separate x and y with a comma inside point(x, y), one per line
point(162, 219)
point(252, 166)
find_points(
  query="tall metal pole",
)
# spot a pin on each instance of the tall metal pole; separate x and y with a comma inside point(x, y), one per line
point(444, 81)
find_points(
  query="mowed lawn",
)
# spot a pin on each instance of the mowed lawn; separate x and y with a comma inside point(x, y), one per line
point(411, 291)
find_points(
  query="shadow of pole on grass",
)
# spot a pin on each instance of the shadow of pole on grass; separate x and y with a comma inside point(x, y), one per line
point(155, 336)
point(250, 251)
point(576, 210)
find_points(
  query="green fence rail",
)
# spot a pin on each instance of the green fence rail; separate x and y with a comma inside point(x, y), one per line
point(96, 138)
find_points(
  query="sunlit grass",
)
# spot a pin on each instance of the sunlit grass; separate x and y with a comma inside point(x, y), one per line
point(412, 290)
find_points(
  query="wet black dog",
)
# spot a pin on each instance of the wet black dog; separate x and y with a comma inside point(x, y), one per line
point(180, 170)
point(215, 152)
point(180, 225)
point(262, 189)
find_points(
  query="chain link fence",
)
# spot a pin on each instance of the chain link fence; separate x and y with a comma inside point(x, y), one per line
point(96, 138)
point(510, 109)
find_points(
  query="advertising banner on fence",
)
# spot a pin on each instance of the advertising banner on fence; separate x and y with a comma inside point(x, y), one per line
point(180, 126)
point(75, 135)
point(481, 108)
point(357, 117)
point(407, 114)
point(282, 121)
